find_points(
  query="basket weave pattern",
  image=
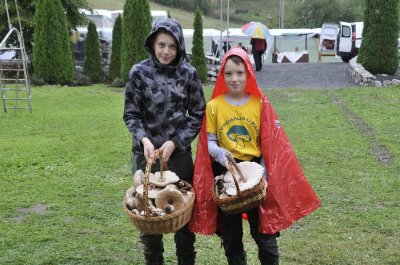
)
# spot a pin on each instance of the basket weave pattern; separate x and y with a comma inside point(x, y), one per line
point(158, 225)
point(242, 202)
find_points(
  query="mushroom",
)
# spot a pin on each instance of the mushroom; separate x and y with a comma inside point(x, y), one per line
point(169, 200)
point(168, 177)
point(152, 191)
point(131, 203)
point(130, 192)
point(138, 178)
point(254, 173)
point(171, 186)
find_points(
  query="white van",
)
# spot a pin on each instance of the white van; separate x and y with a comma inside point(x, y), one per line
point(343, 39)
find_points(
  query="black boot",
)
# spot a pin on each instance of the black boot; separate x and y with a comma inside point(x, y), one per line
point(187, 258)
point(152, 259)
point(237, 259)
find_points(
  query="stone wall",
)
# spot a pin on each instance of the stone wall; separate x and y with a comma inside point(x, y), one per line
point(365, 78)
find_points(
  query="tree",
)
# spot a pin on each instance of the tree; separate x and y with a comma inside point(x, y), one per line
point(115, 65)
point(92, 67)
point(313, 13)
point(378, 52)
point(52, 53)
point(136, 25)
point(198, 56)
point(26, 9)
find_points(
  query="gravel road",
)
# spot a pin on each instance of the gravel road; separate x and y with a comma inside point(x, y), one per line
point(305, 75)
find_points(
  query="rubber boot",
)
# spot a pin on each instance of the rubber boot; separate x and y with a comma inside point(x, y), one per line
point(152, 259)
point(239, 259)
point(188, 258)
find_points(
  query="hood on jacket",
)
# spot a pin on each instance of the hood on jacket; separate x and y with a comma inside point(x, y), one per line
point(174, 28)
point(251, 86)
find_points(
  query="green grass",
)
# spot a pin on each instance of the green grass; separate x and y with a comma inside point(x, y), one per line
point(65, 168)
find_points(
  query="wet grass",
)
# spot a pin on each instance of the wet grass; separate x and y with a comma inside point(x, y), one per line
point(65, 168)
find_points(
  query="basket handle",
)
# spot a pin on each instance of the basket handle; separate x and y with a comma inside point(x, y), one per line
point(230, 158)
point(146, 182)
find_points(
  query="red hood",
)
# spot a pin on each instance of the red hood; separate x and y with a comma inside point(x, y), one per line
point(289, 195)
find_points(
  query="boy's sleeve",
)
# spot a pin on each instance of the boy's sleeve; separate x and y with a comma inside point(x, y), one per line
point(196, 108)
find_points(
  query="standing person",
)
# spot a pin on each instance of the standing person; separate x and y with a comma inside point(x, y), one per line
point(238, 103)
point(258, 47)
point(214, 49)
point(240, 45)
point(164, 107)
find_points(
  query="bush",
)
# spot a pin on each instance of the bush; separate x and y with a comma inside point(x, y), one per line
point(52, 55)
point(136, 25)
point(115, 65)
point(198, 56)
point(92, 67)
point(378, 52)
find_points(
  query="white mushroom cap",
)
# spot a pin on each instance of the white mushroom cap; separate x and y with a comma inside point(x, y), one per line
point(138, 178)
point(152, 192)
point(170, 196)
point(253, 172)
point(130, 192)
point(169, 178)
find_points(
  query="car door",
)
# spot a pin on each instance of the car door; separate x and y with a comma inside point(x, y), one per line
point(327, 40)
point(345, 38)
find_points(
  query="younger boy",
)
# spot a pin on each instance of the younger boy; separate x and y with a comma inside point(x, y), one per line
point(239, 119)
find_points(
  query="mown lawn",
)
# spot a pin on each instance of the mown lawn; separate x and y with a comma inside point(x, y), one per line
point(64, 170)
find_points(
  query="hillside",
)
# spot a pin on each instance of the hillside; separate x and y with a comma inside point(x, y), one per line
point(240, 12)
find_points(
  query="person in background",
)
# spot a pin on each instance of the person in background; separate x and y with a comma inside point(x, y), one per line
point(226, 47)
point(258, 48)
point(214, 49)
point(240, 45)
point(275, 55)
point(164, 108)
point(237, 104)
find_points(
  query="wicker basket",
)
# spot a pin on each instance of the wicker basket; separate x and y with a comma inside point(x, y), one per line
point(243, 200)
point(157, 225)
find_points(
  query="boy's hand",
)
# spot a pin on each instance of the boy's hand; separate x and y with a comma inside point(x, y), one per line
point(229, 166)
point(167, 149)
point(148, 148)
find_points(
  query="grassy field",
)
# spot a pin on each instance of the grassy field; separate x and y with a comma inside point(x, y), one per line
point(64, 170)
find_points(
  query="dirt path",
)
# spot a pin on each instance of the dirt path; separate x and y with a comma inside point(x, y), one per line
point(305, 75)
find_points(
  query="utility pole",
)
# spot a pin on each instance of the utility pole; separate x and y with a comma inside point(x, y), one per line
point(281, 13)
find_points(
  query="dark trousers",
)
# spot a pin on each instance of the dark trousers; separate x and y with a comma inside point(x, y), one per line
point(232, 233)
point(153, 247)
point(257, 59)
point(232, 240)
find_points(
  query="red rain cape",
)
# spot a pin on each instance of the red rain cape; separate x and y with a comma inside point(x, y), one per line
point(289, 194)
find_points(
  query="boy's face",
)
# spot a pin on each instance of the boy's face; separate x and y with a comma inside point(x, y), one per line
point(165, 48)
point(235, 78)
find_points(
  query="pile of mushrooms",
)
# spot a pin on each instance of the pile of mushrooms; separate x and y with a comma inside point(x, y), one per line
point(225, 184)
point(166, 194)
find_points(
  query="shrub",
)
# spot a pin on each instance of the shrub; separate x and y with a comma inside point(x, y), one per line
point(115, 65)
point(136, 25)
point(378, 52)
point(52, 55)
point(92, 67)
point(198, 56)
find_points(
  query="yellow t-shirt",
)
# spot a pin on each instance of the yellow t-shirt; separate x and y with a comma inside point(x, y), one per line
point(237, 128)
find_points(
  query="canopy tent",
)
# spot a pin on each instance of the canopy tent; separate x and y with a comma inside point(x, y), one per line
point(208, 36)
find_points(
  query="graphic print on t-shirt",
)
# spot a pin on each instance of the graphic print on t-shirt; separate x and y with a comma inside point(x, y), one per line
point(240, 135)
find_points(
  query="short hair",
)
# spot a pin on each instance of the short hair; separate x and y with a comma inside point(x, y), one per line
point(236, 59)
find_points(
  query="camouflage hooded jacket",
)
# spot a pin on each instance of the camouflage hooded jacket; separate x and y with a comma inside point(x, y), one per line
point(164, 102)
